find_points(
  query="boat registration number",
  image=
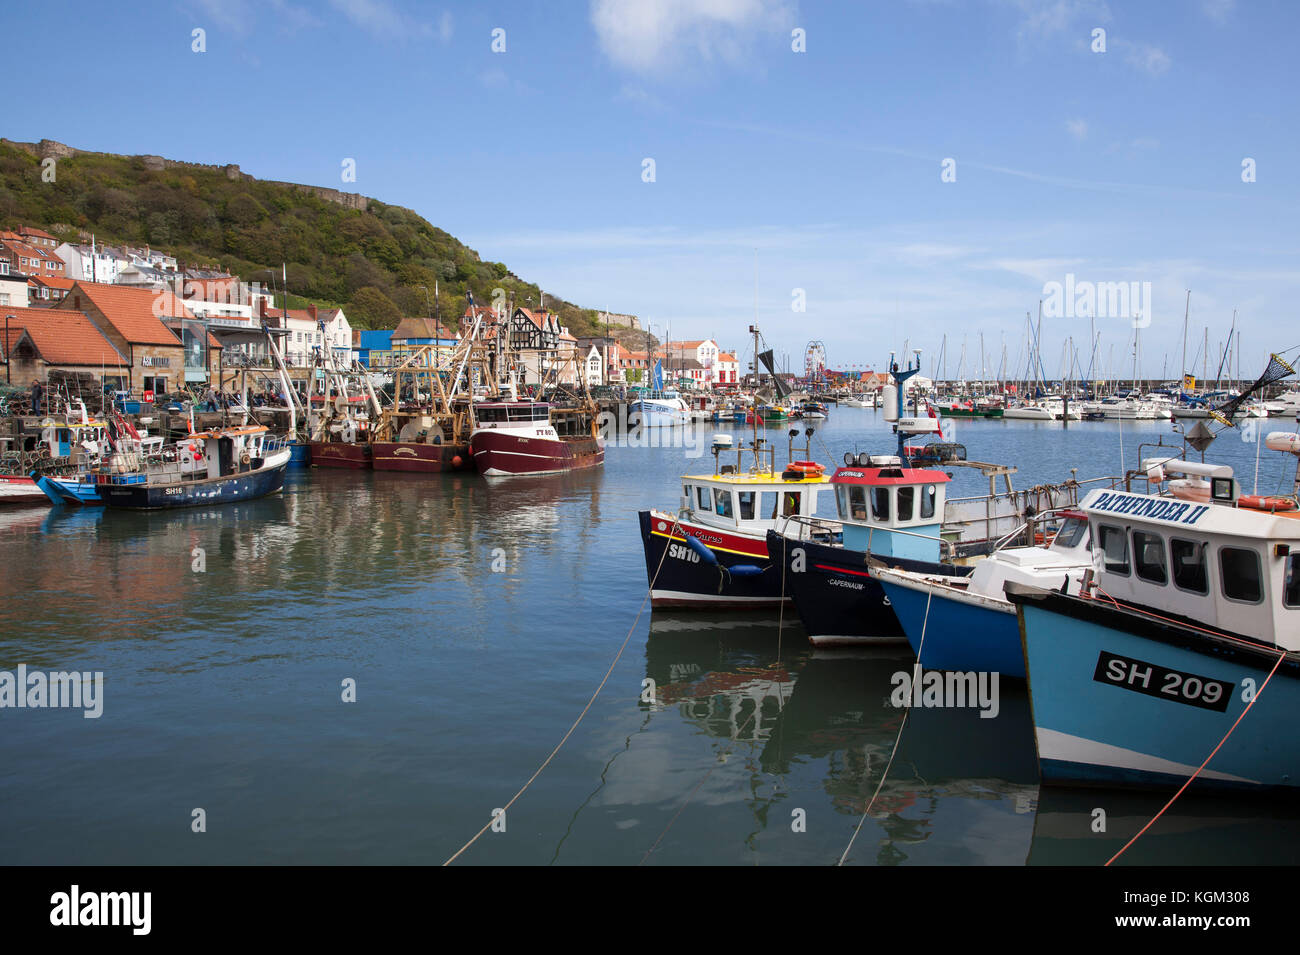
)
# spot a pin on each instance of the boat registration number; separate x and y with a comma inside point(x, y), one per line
point(1155, 680)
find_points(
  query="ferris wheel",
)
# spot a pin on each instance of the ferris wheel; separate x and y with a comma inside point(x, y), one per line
point(814, 361)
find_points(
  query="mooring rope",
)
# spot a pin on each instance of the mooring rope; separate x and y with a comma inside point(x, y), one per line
point(897, 739)
point(1258, 693)
point(546, 762)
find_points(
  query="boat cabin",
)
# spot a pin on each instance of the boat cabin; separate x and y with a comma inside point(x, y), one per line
point(890, 510)
point(1221, 565)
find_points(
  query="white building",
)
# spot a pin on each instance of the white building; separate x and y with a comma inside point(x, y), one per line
point(100, 264)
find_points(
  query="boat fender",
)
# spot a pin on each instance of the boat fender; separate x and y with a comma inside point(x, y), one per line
point(695, 544)
point(245, 458)
point(745, 570)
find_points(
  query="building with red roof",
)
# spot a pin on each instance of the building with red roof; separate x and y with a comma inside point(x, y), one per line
point(40, 340)
point(132, 320)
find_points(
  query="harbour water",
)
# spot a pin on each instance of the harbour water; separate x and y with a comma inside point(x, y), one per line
point(476, 618)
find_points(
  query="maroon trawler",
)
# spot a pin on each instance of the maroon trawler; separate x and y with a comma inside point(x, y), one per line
point(534, 437)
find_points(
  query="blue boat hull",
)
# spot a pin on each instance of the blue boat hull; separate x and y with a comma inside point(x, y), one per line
point(839, 601)
point(225, 490)
point(299, 455)
point(1119, 699)
point(69, 490)
point(958, 636)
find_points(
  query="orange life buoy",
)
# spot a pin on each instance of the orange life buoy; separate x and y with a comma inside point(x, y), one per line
point(1261, 502)
point(807, 468)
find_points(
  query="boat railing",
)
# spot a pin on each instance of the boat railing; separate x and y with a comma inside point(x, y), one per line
point(810, 528)
point(1025, 533)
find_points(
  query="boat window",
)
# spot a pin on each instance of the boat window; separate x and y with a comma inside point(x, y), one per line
point(1239, 574)
point(1291, 582)
point(1114, 544)
point(1189, 565)
point(790, 503)
point(842, 502)
point(745, 501)
point(880, 503)
point(722, 502)
point(1149, 557)
point(858, 500)
point(906, 503)
point(491, 415)
point(1072, 532)
point(705, 498)
point(767, 505)
point(928, 495)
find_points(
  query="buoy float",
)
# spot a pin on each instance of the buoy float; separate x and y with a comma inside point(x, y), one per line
point(803, 469)
point(456, 461)
point(1260, 502)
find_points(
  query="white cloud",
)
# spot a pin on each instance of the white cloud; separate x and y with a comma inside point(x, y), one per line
point(1078, 128)
point(384, 19)
point(647, 36)
point(1150, 59)
point(1218, 10)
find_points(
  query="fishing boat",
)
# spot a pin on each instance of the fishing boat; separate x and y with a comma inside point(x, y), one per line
point(967, 623)
point(1190, 620)
point(658, 408)
point(534, 437)
point(712, 552)
point(901, 515)
point(217, 466)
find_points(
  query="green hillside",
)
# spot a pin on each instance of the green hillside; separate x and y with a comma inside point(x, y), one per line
point(372, 262)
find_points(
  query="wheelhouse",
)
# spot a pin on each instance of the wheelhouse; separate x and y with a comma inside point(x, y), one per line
point(496, 414)
point(1214, 563)
point(891, 510)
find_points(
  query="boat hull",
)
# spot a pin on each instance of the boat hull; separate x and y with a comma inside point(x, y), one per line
point(70, 491)
point(224, 490)
point(680, 577)
point(952, 630)
point(337, 454)
point(17, 489)
point(839, 601)
point(503, 454)
point(1123, 699)
point(420, 458)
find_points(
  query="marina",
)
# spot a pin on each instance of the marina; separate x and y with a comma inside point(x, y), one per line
point(280, 615)
point(650, 433)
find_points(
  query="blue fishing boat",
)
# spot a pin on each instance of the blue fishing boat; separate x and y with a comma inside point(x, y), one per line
point(219, 466)
point(82, 488)
point(967, 623)
point(1191, 620)
point(899, 515)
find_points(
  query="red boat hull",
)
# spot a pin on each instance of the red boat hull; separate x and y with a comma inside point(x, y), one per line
point(500, 454)
point(336, 454)
point(420, 458)
point(15, 489)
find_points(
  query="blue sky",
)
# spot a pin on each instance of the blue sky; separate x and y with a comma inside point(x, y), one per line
point(816, 170)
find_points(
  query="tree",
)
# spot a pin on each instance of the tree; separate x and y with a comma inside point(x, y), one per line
point(371, 308)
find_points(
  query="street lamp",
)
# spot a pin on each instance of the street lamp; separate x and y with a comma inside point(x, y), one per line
point(8, 349)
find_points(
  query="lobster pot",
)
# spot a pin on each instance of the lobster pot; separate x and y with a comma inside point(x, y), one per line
point(891, 404)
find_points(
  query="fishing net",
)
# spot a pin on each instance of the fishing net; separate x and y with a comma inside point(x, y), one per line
point(1277, 370)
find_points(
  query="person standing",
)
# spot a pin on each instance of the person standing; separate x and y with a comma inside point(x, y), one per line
point(38, 394)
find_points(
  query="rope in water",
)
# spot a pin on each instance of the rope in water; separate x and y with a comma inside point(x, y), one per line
point(740, 729)
point(1281, 656)
point(546, 762)
point(897, 739)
